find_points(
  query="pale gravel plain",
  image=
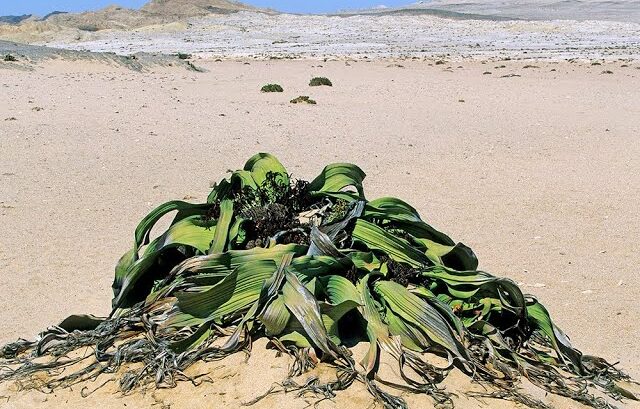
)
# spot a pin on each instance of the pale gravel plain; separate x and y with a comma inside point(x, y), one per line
point(539, 174)
point(258, 35)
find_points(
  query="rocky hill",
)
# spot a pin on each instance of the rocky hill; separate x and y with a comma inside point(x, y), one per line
point(79, 26)
point(190, 8)
point(14, 19)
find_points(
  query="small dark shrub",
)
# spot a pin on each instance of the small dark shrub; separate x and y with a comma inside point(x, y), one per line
point(10, 58)
point(184, 56)
point(318, 81)
point(92, 28)
point(271, 88)
point(303, 99)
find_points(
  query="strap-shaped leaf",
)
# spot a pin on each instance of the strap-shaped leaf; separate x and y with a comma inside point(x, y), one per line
point(333, 229)
point(458, 257)
point(81, 323)
point(405, 217)
point(411, 337)
point(539, 316)
point(398, 249)
point(321, 245)
point(331, 315)
point(186, 232)
point(122, 269)
point(295, 338)
point(466, 284)
point(308, 267)
point(145, 226)
point(365, 260)
point(304, 307)
point(443, 308)
point(220, 191)
point(229, 260)
point(234, 292)
point(377, 330)
point(336, 177)
point(339, 289)
point(222, 227)
point(243, 179)
point(275, 317)
point(413, 309)
point(194, 340)
point(263, 163)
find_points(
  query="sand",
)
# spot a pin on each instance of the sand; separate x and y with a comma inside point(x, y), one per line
point(539, 174)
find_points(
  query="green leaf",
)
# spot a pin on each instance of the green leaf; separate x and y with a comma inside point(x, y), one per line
point(539, 317)
point(398, 249)
point(466, 284)
point(411, 337)
point(339, 289)
point(364, 260)
point(331, 315)
point(443, 308)
point(235, 292)
point(261, 164)
point(193, 341)
point(336, 177)
point(304, 307)
point(80, 323)
point(229, 260)
point(244, 179)
point(296, 339)
point(377, 330)
point(458, 257)
point(220, 191)
point(321, 244)
point(122, 269)
point(222, 227)
point(145, 226)
point(187, 232)
point(308, 267)
point(405, 217)
point(275, 317)
point(417, 311)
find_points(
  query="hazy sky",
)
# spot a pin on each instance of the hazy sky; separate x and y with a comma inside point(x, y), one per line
point(41, 7)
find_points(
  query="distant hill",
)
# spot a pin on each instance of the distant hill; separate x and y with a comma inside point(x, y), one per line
point(111, 17)
point(54, 13)
point(80, 25)
point(14, 19)
point(608, 10)
point(193, 7)
point(420, 11)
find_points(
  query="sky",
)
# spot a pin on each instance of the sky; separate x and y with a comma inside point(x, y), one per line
point(42, 7)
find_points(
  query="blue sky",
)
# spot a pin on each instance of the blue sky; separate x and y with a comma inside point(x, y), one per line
point(41, 7)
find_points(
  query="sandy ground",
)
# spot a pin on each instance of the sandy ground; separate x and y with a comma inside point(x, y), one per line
point(539, 174)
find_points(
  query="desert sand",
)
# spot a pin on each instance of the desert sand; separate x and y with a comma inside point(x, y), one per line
point(535, 168)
